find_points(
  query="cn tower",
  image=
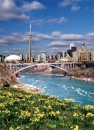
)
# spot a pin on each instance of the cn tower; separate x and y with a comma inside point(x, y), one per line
point(30, 41)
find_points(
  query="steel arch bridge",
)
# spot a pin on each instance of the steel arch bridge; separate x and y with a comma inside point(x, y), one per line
point(16, 68)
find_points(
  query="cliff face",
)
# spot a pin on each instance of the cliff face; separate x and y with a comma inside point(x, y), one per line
point(6, 78)
point(82, 72)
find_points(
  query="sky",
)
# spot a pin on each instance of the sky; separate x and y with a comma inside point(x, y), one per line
point(55, 24)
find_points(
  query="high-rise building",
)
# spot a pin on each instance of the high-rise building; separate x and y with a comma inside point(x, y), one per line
point(2, 58)
point(79, 54)
point(85, 56)
point(75, 56)
point(92, 56)
point(71, 45)
point(39, 58)
point(85, 48)
point(21, 57)
point(43, 56)
point(26, 57)
point(58, 56)
point(64, 54)
point(73, 49)
point(30, 41)
point(69, 52)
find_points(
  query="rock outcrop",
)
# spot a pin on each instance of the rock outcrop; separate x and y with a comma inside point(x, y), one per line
point(6, 78)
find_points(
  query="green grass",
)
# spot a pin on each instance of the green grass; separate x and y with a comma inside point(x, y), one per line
point(25, 111)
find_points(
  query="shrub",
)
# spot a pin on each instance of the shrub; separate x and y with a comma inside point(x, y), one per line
point(25, 111)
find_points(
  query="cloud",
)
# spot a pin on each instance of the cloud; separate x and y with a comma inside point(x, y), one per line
point(43, 36)
point(72, 37)
point(21, 38)
point(65, 3)
point(17, 49)
point(90, 34)
point(75, 8)
point(35, 5)
point(62, 20)
point(7, 52)
point(49, 20)
point(57, 44)
point(72, 3)
point(10, 11)
point(54, 50)
point(56, 20)
point(56, 34)
point(13, 16)
point(38, 21)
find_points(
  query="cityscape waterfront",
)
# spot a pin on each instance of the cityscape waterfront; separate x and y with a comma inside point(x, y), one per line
point(47, 64)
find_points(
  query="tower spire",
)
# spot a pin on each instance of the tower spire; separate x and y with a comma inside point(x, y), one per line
point(30, 41)
point(30, 26)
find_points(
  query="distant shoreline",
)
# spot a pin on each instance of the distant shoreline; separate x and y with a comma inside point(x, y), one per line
point(83, 78)
point(71, 77)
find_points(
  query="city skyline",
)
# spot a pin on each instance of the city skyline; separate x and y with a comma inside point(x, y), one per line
point(55, 24)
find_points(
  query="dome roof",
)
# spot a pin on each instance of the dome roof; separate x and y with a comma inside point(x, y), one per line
point(12, 58)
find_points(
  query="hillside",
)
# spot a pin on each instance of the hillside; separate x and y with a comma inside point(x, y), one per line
point(6, 78)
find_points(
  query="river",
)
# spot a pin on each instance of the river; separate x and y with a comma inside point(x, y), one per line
point(81, 91)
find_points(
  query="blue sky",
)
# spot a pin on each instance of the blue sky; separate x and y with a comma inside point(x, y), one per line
point(55, 24)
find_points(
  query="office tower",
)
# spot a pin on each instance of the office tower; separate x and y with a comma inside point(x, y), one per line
point(0, 59)
point(75, 56)
point(85, 48)
point(30, 41)
point(64, 54)
point(85, 56)
point(69, 52)
point(71, 45)
point(92, 56)
point(43, 56)
point(39, 58)
point(73, 49)
point(26, 57)
point(58, 56)
point(21, 57)
point(79, 54)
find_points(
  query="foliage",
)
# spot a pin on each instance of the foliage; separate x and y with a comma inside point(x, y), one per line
point(25, 111)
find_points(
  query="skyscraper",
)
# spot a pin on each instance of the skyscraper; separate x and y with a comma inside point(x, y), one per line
point(71, 45)
point(30, 41)
point(43, 56)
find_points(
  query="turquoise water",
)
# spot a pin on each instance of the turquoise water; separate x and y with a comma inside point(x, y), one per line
point(81, 91)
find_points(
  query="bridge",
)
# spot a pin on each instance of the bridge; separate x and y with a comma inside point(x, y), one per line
point(16, 68)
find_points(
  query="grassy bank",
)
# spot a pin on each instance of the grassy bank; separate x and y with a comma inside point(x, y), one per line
point(25, 111)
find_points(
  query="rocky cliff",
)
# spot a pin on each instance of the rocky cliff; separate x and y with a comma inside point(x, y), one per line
point(6, 78)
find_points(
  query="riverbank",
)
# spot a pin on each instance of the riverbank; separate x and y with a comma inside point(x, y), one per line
point(83, 78)
point(72, 77)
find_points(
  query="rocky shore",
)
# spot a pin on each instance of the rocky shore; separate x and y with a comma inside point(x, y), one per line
point(27, 88)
